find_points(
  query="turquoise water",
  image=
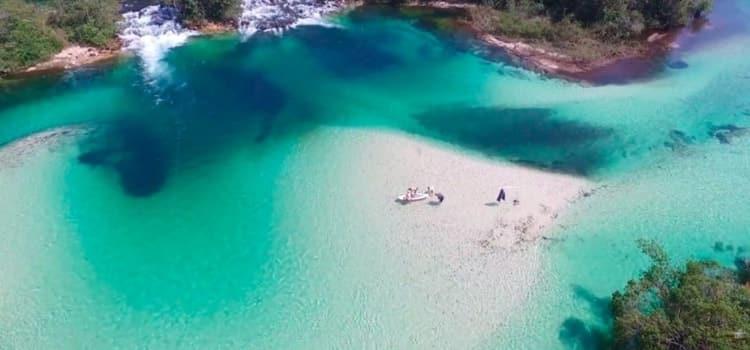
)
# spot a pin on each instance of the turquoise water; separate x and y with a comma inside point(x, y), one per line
point(184, 218)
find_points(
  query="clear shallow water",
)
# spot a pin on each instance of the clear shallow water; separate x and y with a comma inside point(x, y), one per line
point(172, 224)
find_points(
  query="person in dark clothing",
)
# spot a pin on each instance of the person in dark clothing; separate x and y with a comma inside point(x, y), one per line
point(440, 197)
point(501, 195)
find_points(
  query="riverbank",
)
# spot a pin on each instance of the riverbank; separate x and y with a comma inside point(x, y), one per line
point(625, 62)
point(77, 56)
point(74, 56)
point(583, 59)
point(636, 62)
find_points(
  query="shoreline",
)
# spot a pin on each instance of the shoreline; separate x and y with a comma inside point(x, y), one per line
point(639, 63)
point(72, 57)
point(635, 65)
point(77, 56)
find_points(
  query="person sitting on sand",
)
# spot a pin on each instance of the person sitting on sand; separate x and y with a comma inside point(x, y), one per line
point(411, 193)
point(440, 197)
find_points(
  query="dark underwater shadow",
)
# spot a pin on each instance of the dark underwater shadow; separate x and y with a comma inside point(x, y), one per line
point(576, 334)
point(347, 53)
point(599, 306)
point(134, 152)
point(214, 107)
point(139, 244)
point(529, 136)
point(195, 249)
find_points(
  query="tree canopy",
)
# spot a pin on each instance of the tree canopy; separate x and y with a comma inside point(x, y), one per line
point(612, 19)
point(25, 37)
point(88, 22)
point(703, 306)
point(207, 10)
point(585, 29)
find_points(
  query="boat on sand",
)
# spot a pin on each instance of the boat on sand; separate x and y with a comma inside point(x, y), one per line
point(413, 198)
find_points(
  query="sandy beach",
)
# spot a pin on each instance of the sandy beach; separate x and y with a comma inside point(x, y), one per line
point(470, 213)
point(461, 269)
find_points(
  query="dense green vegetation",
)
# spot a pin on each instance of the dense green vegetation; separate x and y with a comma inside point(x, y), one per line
point(32, 31)
point(586, 28)
point(198, 11)
point(703, 306)
point(89, 22)
point(25, 37)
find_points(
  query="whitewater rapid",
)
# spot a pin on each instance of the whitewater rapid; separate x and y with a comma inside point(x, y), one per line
point(278, 15)
point(151, 33)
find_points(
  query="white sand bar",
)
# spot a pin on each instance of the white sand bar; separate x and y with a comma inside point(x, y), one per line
point(421, 275)
point(470, 214)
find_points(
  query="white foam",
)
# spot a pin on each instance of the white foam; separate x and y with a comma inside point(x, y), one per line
point(151, 33)
point(279, 15)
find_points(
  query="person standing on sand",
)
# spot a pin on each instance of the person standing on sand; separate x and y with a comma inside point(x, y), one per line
point(501, 195)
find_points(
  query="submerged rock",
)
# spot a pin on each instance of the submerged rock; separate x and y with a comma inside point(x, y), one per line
point(677, 64)
point(678, 141)
point(727, 133)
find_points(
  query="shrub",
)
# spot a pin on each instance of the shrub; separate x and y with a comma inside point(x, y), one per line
point(25, 39)
point(207, 10)
point(88, 22)
point(585, 29)
point(703, 306)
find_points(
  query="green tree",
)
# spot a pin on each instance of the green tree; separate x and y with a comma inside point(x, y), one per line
point(701, 307)
point(610, 20)
point(88, 22)
point(672, 13)
point(207, 10)
point(25, 39)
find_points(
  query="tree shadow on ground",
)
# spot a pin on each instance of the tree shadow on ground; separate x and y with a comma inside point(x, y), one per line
point(599, 306)
point(577, 334)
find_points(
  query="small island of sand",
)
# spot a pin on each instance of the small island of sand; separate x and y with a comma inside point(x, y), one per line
point(386, 163)
point(474, 262)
